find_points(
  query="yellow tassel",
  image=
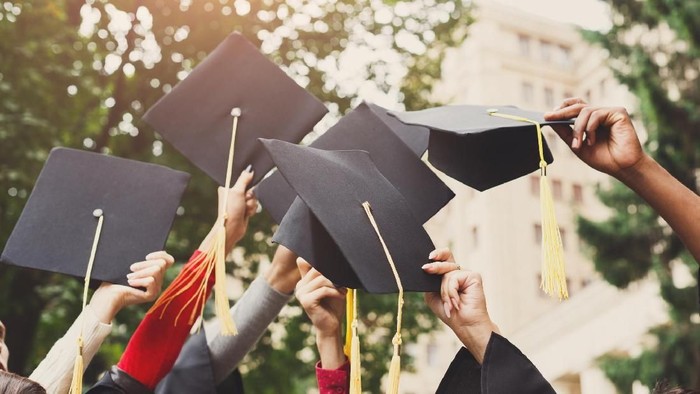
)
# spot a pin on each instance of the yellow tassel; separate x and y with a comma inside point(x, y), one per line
point(355, 360)
point(395, 367)
point(76, 385)
point(214, 260)
point(553, 270)
point(349, 310)
point(222, 306)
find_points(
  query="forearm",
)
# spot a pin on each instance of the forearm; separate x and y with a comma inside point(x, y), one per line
point(675, 203)
point(476, 338)
point(283, 275)
point(55, 372)
point(253, 313)
point(156, 343)
point(330, 350)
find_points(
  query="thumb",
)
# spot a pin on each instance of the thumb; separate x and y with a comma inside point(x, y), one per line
point(304, 266)
point(244, 180)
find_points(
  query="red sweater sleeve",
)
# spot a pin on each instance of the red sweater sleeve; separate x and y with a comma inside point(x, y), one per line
point(333, 381)
point(156, 343)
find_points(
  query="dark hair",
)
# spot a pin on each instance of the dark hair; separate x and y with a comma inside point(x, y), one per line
point(15, 384)
point(663, 388)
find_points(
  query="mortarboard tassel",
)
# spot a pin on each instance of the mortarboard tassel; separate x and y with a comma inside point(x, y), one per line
point(354, 356)
point(553, 266)
point(395, 366)
point(76, 385)
point(213, 259)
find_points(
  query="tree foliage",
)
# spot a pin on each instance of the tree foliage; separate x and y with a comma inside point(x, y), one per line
point(81, 74)
point(654, 49)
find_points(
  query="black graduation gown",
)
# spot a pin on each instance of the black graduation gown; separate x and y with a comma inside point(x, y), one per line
point(505, 370)
point(192, 373)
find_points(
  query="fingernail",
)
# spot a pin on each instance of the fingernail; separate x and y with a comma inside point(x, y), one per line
point(574, 143)
point(590, 142)
point(426, 266)
point(129, 276)
point(432, 255)
point(456, 304)
point(446, 306)
point(249, 168)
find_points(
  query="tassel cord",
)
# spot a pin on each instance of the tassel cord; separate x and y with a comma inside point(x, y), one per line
point(76, 386)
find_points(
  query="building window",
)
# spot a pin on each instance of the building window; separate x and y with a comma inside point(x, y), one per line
point(546, 51)
point(549, 97)
point(564, 56)
point(535, 186)
point(475, 237)
point(538, 233)
point(524, 44)
point(528, 93)
point(577, 192)
point(557, 191)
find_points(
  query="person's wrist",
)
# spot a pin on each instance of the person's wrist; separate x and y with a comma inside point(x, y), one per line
point(330, 349)
point(105, 305)
point(475, 337)
point(636, 172)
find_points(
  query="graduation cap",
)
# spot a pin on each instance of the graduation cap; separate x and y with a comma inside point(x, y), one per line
point(485, 146)
point(215, 116)
point(56, 229)
point(92, 216)
point(370, 221)
point(394, 148)
point(235, 81)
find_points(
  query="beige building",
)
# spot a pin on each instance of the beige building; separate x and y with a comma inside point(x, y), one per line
point(520, 59)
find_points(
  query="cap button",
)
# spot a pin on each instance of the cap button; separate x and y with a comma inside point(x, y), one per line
point(235, 111)
point(97, 213)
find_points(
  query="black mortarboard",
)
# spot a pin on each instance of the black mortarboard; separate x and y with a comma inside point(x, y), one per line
point(196, 116)
point(366, 128)
point(56, 229)
point(478, 149)
point(334, 185)
point(485, 146)
point(416, 137)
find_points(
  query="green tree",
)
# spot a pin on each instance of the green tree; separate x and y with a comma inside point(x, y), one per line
point(82, 73)
point(654, 49)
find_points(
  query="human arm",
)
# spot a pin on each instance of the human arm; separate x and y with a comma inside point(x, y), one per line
point(55, 372)
point(325, 306)
point(150, 355)
point(253, 313)
point(461, 303)
point(612, 147)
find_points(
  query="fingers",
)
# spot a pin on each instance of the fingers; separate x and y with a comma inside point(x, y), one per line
point(244, 180)
point(138, 269)
point(440, 267)
point(304, 268)
point(161, 254)
point(564, 132)
point(251, 204)
point(151, 286)
point(565, 113)
point(569, 102)
point(442, 254)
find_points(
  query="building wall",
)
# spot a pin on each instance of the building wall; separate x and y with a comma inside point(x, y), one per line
point(514, 58)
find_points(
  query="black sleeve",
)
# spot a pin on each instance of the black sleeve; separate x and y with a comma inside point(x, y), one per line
point(505, 370)
point(116, 381)
point(192, 372)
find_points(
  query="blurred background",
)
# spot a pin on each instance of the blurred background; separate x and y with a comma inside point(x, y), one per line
point(82, 73)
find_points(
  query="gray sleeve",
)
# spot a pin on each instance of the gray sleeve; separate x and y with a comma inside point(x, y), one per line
point(254, 311)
